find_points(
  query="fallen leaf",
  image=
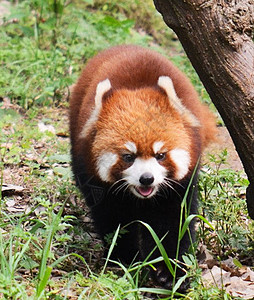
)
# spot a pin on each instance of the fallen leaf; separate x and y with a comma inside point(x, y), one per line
point(249, 275)
point(215, 276)
point(238, 282)
point(14, 206)
point(11, 189)
point(42, 127)
point(63, 134)
point(10, 202)
point(203, 254)
point(240, 288)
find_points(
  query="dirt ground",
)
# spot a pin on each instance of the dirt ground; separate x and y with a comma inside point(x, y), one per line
point(225, 142)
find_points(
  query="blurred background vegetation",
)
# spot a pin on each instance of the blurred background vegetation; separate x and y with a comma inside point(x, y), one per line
point(45, 43)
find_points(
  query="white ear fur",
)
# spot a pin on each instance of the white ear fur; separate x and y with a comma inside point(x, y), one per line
point(166, 84)
point(102, 87)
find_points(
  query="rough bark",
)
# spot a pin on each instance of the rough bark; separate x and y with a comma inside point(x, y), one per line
point(217, 36)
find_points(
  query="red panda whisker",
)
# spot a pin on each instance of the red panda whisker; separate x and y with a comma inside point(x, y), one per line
point(120, 187)
point(115, 183)
point(126, 188)
point(123, 186)
point(170, 180)
point(163, 190)
point(165, 186)
point(167, 183)
point(170, 186)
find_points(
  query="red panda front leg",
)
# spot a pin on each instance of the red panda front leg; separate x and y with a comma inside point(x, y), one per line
point(108, 214)
point(164, 218)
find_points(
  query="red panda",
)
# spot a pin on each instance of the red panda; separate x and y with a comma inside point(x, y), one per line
point(137, 131)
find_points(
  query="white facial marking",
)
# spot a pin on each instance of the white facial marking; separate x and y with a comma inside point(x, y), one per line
point(166, 83)
point(131, 147)
point(182, 160)
point(102, 87)
point(104, 164)
point(141, 166)
point(157, 146)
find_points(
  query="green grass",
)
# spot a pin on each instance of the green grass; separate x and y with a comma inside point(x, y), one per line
point(48, 249)
point(42, 56)
point(42, 52)
point(219, 188)
point(48, 236)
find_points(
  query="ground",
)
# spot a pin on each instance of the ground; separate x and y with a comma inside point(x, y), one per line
point(225, 142)
point(52, 123)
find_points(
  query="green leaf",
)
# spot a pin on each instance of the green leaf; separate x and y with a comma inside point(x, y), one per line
point(28, 263)
point(186, 225)
point(189, 260)
point(44, 270)
point(63, 171)
point(90, 2)
point(178, 283)
point(13, 114)
point(60, 158)
point(237, 263)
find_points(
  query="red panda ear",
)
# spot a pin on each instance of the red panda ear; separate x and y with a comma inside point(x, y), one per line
point(167, 85)
point(102, 88)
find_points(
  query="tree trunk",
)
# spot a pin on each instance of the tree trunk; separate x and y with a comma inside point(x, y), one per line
point(217, 37)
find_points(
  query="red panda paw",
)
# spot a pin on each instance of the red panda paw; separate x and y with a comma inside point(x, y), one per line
point(164, 278)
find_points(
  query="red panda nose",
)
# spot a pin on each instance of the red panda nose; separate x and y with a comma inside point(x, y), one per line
point(146, 179)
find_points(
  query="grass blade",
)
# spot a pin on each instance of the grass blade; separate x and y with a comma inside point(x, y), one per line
point(44, 270)
point(160, 247)
point(43, 282)
point(186, 225)
point(111, 248)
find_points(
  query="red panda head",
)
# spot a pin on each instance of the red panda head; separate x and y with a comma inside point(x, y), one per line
point(142, 138)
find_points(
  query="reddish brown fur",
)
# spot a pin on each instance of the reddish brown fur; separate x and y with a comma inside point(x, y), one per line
point(127, 68)
point(137, 110)
point(125, 118)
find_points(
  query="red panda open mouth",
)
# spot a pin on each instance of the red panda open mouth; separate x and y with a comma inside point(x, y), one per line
point(144, 191)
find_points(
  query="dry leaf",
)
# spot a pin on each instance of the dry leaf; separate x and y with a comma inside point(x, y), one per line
point(11, 189)
point(63, 134)
point(240, 288)
point(248, 275)
point(238, 282)
point(42, 127)
point(215, 276)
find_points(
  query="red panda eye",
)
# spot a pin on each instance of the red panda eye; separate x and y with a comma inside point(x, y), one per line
point(160, 156)
point(128, 158)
